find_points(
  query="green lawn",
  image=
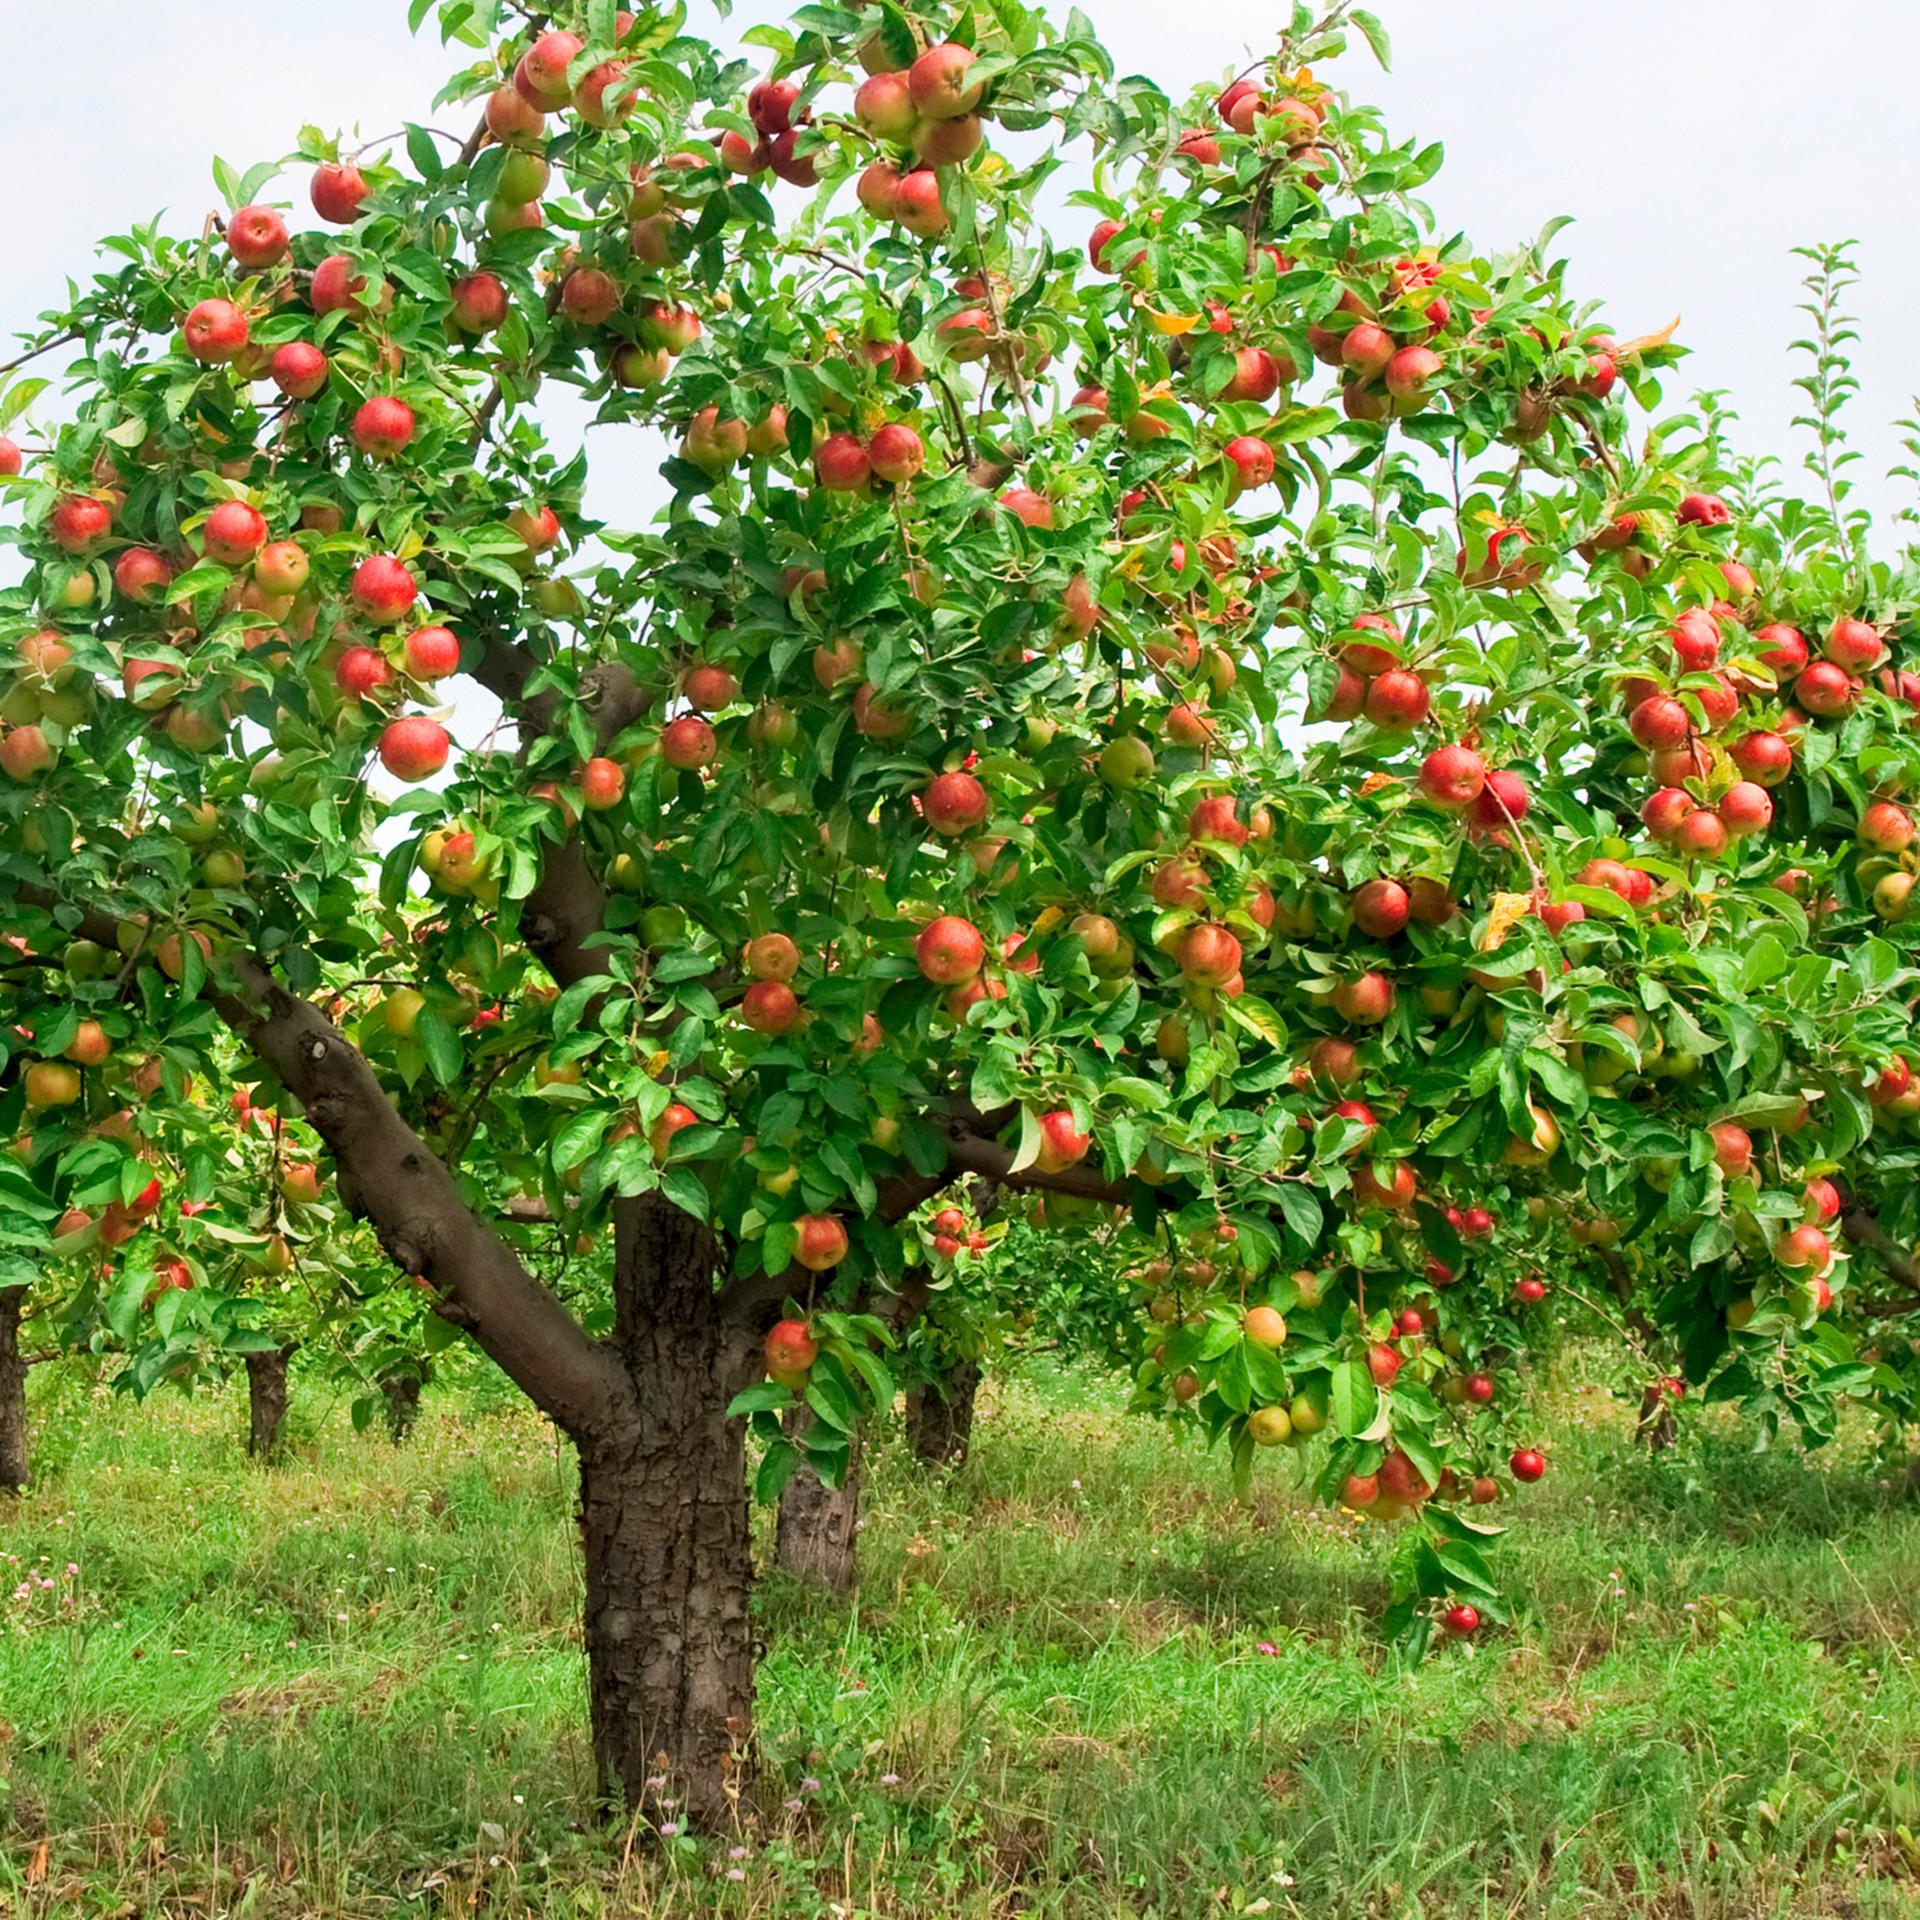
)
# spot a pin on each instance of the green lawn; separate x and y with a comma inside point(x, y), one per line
point(1079, 1680)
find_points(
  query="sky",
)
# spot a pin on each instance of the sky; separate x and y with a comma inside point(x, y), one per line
point(1692, 152)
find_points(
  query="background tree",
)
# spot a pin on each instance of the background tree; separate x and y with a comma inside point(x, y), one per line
point(920, 801)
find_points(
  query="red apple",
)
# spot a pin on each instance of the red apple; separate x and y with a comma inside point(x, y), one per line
point(689, 743)
point(939, 82)
point(382, 427)
point(840, 463)
point(338, 191)
point(955, 803)
point(298, 369)
point(949, 950)
point(432, 653)
point(414, 747)
point(820, 1241)
point(233, 533)
point(896, 453)
point(1452, 777)
point(1381, 908)
point(360, 671)
point(256, 237)
point(383, 588)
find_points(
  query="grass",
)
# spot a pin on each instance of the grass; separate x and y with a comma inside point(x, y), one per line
point(1078, 1680)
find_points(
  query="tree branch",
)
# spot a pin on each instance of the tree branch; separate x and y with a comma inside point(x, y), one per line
point(1864, 1230)
point(393, 1180)
point(567, 905)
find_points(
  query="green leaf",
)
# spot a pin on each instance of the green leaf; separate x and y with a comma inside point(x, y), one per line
point(1353, 1400)
point(1376, 38)
point(440, 1044)
point(776, 1469)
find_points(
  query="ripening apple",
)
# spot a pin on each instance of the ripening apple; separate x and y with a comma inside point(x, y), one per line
point(790, 1350)
point(673, 1118)
point(883, 104)
point(300, 1183)
point(955, 803)
point(1062, 1143)
point(820, 1241)
point(234, 532)
point(215, 332)
point(513, 119)
point(480, 302)
point(1409, 375)
point(603, 784)
point(1365, 999)
point(771, 956)
point(1395, 1193)
point(1381, 908)
point(840, 463)
point(79, 522)
point(939, 82)
point(1854, 645)
point(256, 237)
point(298, 369)
point(689, 743)
point(1886, 827)
point(1398, 700)
point(946, 143)
point(338, 190)
point(768, 435)
point(1745, 808)
point(1256, 376)
point(896, 453)
point(771, 1007)
point(949, 951)
point(1264, 1327)
point(432, 653)
point(1539, 1144)
point(1208, 955)
point(1825, 688)
point(589, 296)
point(383, 588)
point(400, 1011)
point(1249, 463)
point(382, 427)
point(360, 671)
point(1804, 1247)
point(414, 747)
point(773, 724)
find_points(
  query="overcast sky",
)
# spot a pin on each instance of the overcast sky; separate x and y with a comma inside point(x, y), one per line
point(1692, 154)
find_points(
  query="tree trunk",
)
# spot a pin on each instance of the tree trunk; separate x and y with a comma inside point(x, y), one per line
point(402, 1394)
point(814, 1529)
point(266, 1401)
point(940, 1425)
point(13, 1393)
point(664, 1526)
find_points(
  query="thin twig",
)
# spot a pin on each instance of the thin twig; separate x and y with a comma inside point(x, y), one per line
point(65, 339)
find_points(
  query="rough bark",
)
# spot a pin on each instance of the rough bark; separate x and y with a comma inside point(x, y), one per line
point(401, 1391)
point(815, 1525)
point(13, 1393)
point(664, 1525)
point(266, 1401)
point(940, 1424)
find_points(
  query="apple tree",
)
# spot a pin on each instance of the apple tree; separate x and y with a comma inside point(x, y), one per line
point(923, 796)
